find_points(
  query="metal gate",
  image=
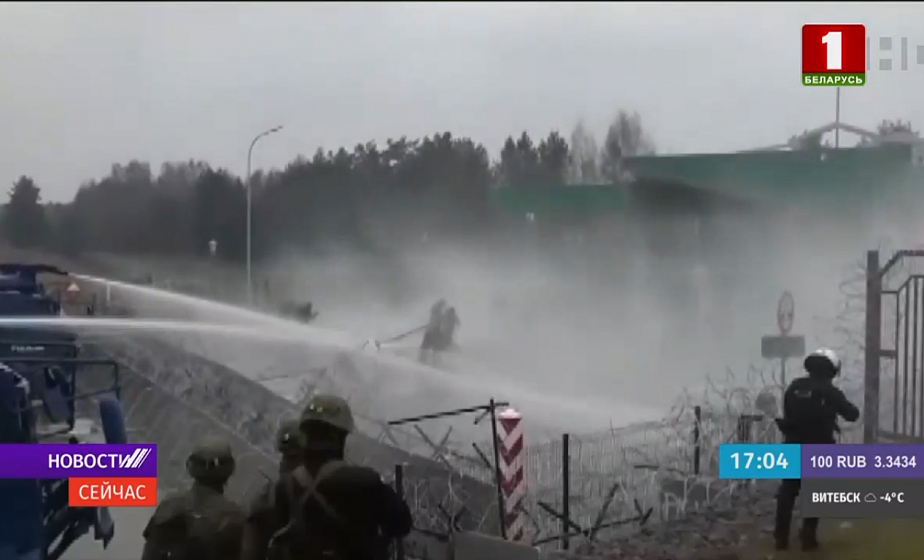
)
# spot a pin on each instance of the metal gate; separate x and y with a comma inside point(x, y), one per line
point(894, 311)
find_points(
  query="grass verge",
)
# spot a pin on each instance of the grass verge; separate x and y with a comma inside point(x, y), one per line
point(860, 539)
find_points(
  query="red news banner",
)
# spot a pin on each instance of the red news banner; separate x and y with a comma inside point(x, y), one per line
point(112, 492)
point(99, 474)
point(833, 54)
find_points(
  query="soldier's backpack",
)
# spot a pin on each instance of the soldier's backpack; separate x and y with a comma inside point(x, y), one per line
point(291, 542)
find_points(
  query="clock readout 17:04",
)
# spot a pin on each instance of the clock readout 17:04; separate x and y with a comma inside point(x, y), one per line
point(747, 461)
point(767, 460)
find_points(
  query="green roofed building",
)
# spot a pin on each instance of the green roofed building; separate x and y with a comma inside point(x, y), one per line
point(843, 177)
point(798, 173)
point(673, 200)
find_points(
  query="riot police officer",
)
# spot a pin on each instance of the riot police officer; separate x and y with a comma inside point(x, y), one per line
point(335, 510)
point(811, 407)
point(262, 521)
point(200, 523)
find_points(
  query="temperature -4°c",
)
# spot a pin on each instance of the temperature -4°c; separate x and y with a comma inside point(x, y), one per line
point(897, 496)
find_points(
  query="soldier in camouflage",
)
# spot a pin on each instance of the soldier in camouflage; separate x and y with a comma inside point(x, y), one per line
point(200, 523)
point(334, 510)
point(262, 522)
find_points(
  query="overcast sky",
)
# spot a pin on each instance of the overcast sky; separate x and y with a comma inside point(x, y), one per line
point(83, 86)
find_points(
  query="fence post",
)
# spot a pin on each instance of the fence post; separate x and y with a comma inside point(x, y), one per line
point(498, 477)
point(565, 491)
point(745, 423)
point(399, 488)
point(697, 436)
point(514, 474)
point(873, 345)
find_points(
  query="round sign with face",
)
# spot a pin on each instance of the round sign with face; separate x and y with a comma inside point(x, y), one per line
point(785, 313)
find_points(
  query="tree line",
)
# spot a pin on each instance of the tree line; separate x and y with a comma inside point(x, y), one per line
point(438, 184)
point(366, 197)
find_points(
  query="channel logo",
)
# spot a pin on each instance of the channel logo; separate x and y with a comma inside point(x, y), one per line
point(85, 460)
point(834, 54)
point(72, 460)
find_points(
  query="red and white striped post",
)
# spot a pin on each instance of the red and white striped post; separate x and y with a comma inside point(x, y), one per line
point(513, 472)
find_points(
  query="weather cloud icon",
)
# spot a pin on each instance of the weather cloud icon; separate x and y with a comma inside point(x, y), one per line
point(869, 498)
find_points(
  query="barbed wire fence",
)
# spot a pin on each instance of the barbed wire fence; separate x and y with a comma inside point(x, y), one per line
point(619, 480)
point(848, 325)
point(441, 510)
point(616, 482)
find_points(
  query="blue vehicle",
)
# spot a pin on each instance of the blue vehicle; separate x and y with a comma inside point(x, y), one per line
point(17, 280)
point(42, 400)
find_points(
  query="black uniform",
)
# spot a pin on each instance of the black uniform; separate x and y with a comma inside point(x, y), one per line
point(811, 407)
point(338, 511)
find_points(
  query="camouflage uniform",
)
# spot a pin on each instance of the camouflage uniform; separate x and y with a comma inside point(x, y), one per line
point(335, 510)
point(262, 521)
point(199, 523)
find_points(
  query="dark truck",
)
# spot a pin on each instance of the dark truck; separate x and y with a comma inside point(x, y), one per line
point(302, 312)
point(39, 365)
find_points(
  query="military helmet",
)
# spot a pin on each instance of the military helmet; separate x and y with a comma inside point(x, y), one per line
point(211, 459)
point(329, 409)
point(289, 440)
point(823, 363)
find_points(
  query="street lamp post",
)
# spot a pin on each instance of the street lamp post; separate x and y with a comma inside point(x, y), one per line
point(250, 211)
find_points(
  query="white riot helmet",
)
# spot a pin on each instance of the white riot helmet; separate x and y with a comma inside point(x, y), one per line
point(823, 363)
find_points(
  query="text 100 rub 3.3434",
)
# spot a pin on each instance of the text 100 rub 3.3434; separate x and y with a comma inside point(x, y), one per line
point(754, 460)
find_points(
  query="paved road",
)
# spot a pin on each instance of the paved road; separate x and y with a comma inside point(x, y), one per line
point(127, 543)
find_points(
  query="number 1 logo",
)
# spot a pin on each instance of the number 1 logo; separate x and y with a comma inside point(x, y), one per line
point(833, 54)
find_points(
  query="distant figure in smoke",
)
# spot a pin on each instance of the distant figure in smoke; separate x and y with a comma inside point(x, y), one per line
point(448, 326)
point(434, 325)
point(306, 312)
point(436, 313)
point(440, 330)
